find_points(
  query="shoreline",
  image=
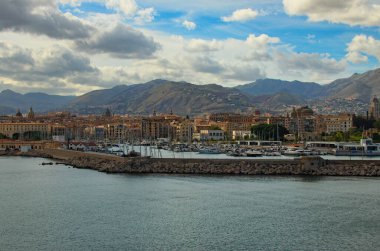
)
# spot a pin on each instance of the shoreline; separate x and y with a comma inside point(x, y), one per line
point(307, 166)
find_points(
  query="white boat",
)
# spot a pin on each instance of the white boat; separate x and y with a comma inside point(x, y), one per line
point(294, 152)
point(366, 148)
point(253, 153)
point(209, 151)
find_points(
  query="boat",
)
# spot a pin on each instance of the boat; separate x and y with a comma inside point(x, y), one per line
point(272, 154)
point(295, 152)
point(365, 148)
point(209, 151)
point(253, 153)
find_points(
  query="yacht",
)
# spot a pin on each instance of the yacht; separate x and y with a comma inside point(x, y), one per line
point(365, 148)
point(294, 152)
point(209, 151)
point(253, 153)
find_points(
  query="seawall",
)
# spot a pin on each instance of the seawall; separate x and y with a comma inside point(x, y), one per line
point(313, 166)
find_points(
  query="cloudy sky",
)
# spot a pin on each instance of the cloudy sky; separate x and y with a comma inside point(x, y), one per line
point(75, 46)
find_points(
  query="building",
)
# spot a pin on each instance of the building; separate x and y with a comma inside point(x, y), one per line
point(241, 135)
point(374, 108)
point(334, 123)
point(30, 145)
point(26, 130)
point(156, 127)
point(301, 122)
point(230, 122)
point(214, 135)
point(185, 130)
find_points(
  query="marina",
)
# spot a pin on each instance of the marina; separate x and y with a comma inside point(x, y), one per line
point(328, 150)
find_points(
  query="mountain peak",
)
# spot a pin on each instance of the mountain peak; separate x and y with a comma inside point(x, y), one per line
point(9, 92)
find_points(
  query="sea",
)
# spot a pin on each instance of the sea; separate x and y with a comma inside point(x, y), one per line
point(57, 207)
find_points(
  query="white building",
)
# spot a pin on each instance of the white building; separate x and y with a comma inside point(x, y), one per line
point(238, 135)
point(215, 135)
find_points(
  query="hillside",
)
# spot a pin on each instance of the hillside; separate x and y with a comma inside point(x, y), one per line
point(189, 99)
point(272, 86)
point(163, 96)
point(360, 86)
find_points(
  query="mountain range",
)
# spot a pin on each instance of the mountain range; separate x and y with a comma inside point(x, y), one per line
point(11, 101)
point(189, 99)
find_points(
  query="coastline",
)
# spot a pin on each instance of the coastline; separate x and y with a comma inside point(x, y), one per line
point(308, 166)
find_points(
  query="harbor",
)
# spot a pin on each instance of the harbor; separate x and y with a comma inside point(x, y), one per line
point(366, 149)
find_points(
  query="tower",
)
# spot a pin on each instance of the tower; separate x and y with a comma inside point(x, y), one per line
point(108, 113)
point(31, 113)
point(374, 108)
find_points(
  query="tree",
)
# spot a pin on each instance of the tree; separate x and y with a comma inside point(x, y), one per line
point(16, 136)
point(376, 124)
point(363, 123)
point(2, 136)
point(269, 131)
point(339, 136)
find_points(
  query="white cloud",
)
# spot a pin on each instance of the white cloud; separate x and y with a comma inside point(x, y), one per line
point(262, 40)
point(145, 16)
point(361, 46)
point(242, 15)
point(127, 7)
point(189, 25)
point(201, 45)
point(351, 12)
point(72, 3)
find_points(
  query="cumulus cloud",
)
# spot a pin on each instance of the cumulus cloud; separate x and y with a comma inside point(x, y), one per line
point(145, 16)
point(242, 15)
point(260, 47)
point(351, 12)
point(41, 17)
point(189, 25)
point(40, 65)
point(206, 65)
point(47, 69)
point(361, 46)
point(127, 7)
point(201, 45)
point(122, 41)
point(311, 66)
point(244, 72)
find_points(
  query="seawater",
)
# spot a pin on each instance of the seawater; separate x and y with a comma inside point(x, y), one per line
point(61, 208)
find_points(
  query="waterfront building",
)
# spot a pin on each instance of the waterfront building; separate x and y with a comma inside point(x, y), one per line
point(301, 122)
point(241, 135)
point(230, 122)
point(184, 131)
point(32, 145)
point(214, 135)
point(334, 123)
point(157, 127)
point(26, 130)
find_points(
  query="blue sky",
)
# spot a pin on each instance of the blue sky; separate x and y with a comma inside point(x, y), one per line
point(106, 43)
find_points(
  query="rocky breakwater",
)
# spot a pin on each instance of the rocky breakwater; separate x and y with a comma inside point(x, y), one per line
point(313, 166)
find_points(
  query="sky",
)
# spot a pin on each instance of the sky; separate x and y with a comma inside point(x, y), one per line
point(70, 47)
